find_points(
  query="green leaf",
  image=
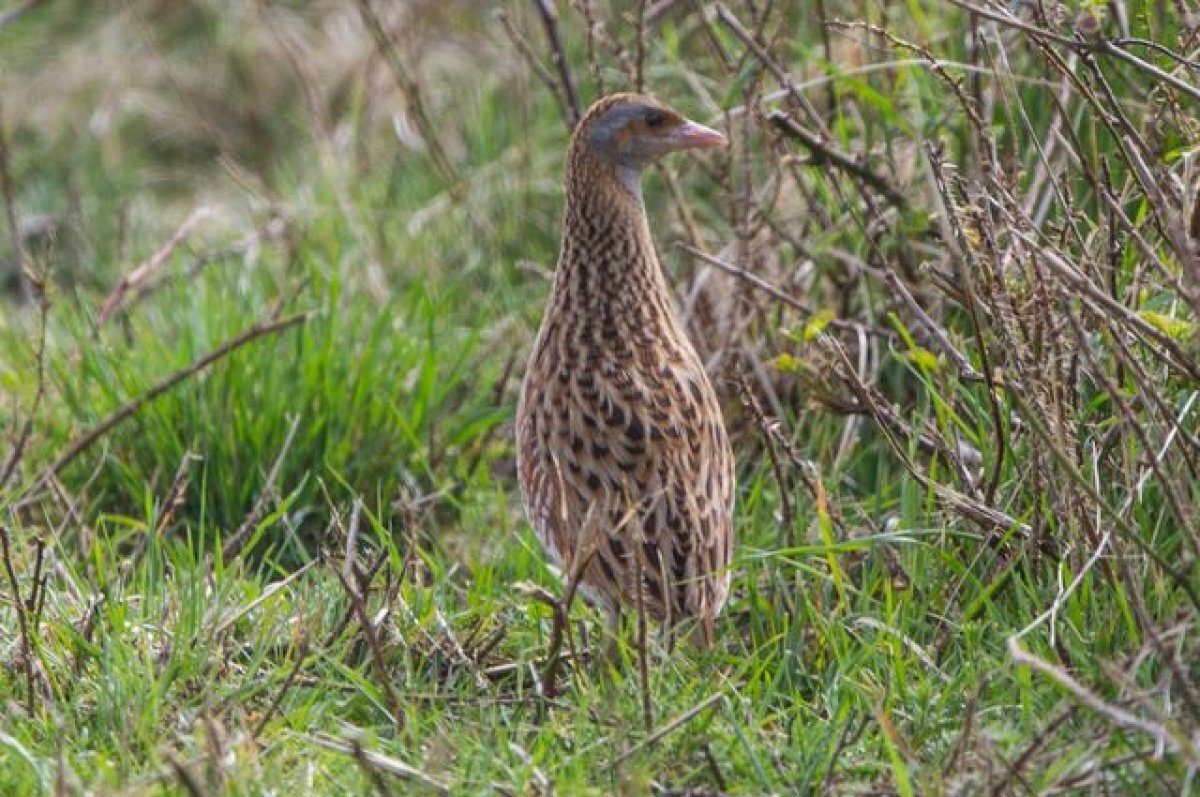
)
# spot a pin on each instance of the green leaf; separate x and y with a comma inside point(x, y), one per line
point(816, 325)
point(1175, 328)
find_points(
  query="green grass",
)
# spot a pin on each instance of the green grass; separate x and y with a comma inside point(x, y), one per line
point(866, 648)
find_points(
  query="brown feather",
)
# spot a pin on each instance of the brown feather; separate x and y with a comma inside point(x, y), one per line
point(619, 431)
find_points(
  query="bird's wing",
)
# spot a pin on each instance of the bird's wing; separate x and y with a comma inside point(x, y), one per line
point(691, 526)
point(629, 464)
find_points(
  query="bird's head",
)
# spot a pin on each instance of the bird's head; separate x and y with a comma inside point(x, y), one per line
point(628, 132)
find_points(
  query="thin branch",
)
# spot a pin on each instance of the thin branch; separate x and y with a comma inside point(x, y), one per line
point(550, 22)
point(1168, 738)
point(1108, 48)
point(26, 651)
point(782, 76)
point(375, 648)
point(383, 763)
point(640, 62)
point(671, 726)
point(824, 153)
point(413, 99)
point(18, 450)
point(136, 278)
point(777, 293)
point(20, 259)
point(90, 438)
point(541, 72)
point(234, 544)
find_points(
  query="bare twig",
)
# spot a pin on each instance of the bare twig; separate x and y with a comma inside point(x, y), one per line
point(233, 545)
point(288, 681)
point(379, 761)
point(1121, 54)
point(544, 75)
point(549, 17)
point(768, 428)
point(782, 76)
point(825, 153)
point(136, 278)
point(640, 80)
point(20, 259)
point(965, 272)
point(966, 371)
point(584, 7)
point(26, 653)
point(1014, 769)
point(671, 727)
point(1079, 281)
point(1170, 738)
point(166, 512)
point(18, 449)
point(373, 774)
point(887, 422)
point(1182, 579)
point(359, 603)
point(96, 433)
point(185, 777)
point(777, 293)
point(364, 586)
point(410, 90)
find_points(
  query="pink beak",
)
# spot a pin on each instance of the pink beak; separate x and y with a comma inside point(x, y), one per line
point(691, 135)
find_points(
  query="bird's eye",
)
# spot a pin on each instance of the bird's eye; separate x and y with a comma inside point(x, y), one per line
point(655, 118)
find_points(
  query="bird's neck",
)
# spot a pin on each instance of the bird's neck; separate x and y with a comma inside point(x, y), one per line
point(607, 257)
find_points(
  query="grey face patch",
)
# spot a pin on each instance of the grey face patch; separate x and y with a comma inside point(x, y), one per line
point(631, 154)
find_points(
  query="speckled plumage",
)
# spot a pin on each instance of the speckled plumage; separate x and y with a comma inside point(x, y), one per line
point(621, 443)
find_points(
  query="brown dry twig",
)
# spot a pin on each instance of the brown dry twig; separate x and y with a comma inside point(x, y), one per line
point(136, 278)
point(823, 153)
point(1100, 45)
point(541, 72)
point(380, 762)
point(639, 82)
point(549, 18)
point(891, 426)
point(782, 76)
point(26, 652)
point(170, 505)
point(124, 413)
point(17, 452)
point(410, 90)
point(288, 682)
point(769, 429)
point(7, 190)
point(370, 633)
point(781, 295)
point(670, 727)
point(560, 629)
point(234, 544)
point(1165, 735)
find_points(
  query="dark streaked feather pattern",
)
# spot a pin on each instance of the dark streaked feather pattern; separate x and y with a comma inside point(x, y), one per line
point(619, 431)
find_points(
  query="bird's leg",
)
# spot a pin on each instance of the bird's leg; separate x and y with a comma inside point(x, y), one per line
point(643, 655)
point(550, 673)
point(579, 560)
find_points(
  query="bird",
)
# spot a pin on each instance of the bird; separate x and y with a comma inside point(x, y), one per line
point(624, 462)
